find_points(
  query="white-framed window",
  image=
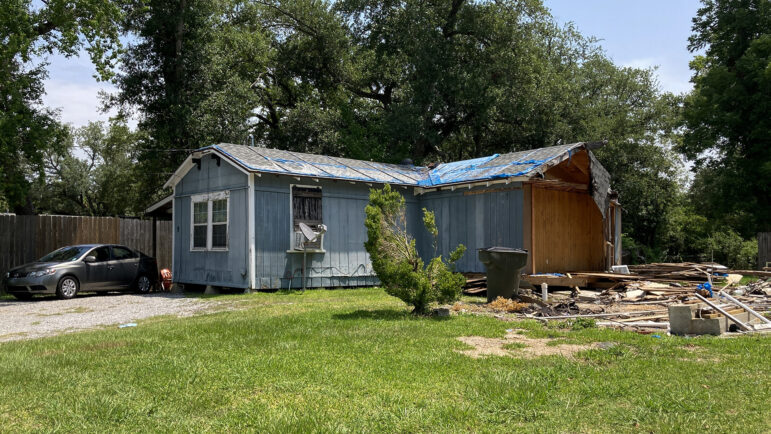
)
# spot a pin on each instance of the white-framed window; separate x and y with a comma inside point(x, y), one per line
point(209, 221)
point(305, 207)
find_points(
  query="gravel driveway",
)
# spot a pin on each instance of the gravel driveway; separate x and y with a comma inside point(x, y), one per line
point(50, 316)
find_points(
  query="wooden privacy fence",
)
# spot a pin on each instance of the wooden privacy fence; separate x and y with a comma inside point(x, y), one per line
point(24, 238)
point(764, 249)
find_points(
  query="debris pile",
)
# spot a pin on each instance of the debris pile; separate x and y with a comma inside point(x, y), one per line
point(638, 300)
point(501, 304)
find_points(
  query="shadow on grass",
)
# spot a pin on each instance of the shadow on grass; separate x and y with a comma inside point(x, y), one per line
point(385, 315)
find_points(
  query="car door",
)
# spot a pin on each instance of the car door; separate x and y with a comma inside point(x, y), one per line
point(98, 272)
point(126, 264)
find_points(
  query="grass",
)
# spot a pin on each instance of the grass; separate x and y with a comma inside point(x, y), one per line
point(747, 280)
point(356, 360)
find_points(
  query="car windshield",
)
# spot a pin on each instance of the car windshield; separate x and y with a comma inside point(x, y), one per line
point(65, 254)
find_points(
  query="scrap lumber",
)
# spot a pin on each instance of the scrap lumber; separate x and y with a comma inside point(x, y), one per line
point(640, 318)
point(609, 276)
point(677, 271)
point(754, 273)
point(601, 315)
point(570, 282)
point(641, 324)
point(745, 307)
point(738, 323)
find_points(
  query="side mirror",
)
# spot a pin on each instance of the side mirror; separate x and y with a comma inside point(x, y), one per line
point(89, 258)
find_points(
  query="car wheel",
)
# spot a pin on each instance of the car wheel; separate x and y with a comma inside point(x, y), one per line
point(143, 284)
point(67, 288)
point(23, 296)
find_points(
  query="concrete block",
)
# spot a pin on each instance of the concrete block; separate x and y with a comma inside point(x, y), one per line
point(211, 290)
point(683, 321)
point(442, 311)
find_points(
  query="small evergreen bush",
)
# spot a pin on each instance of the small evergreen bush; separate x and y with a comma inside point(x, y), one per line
point(395, 258)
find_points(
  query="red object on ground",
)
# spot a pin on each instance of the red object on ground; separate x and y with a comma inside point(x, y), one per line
point(166, 279)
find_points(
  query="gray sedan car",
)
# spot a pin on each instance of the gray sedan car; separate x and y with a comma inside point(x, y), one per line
point(89, 267)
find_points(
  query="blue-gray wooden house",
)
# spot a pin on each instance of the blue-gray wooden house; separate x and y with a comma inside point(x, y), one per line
point(237, 209)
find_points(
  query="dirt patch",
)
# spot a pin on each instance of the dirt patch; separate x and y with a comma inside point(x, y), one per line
point(529, 348)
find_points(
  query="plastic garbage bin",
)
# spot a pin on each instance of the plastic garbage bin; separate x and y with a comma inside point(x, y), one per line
point(504, 265)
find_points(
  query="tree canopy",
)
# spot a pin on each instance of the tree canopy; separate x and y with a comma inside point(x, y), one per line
point(432, 81)
point(728, 115)
point(387, 80)
point(27, 31)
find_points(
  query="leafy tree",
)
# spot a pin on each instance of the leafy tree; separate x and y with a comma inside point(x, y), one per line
point(465, 79)
point(28, 31)
point(728, 114)
point(388, 80)
point(625, 107)
point(26, 130)
point(101, 182)
point(395, 259)
point(161, 77)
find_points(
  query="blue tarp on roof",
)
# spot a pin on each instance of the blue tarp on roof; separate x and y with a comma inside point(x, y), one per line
point(478, 169)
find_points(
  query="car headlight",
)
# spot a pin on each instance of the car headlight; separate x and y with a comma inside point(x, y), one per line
point(42, 273)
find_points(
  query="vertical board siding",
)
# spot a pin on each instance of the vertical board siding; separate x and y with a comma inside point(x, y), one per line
point(568, 232)
point(473, 218)
point(476, 218)
point(25, 238)
point(764, 249)
point(219, 268)
point(344, 261)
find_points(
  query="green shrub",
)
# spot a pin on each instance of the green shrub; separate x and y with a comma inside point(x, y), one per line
point(395, 258)
point(727, 247)
point(583, 323)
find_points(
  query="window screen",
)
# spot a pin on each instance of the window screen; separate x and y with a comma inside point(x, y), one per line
point(306, 205)
point(306, 208)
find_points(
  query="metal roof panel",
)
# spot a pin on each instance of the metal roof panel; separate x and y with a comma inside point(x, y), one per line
point(523, 163)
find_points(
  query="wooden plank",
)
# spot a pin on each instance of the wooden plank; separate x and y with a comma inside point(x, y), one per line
point(567, 231)
point(764, 249)
point(555, 281)
point(30, 233)
point(5, 235)
point(15, 242)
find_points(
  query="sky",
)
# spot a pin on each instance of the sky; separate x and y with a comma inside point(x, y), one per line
point(638, 33)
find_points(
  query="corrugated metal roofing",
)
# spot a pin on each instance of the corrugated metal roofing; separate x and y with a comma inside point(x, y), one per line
point(496, 166)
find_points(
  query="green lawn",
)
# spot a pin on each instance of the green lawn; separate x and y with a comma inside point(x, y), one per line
point(356, 360)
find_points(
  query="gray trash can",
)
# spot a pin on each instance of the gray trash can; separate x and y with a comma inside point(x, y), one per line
point(504, 265)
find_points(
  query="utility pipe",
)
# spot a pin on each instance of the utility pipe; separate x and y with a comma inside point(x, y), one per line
point(745, 307)
point(740, 324)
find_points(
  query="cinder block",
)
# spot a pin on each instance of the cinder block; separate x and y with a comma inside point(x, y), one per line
point(211, 290)
point(682, 321)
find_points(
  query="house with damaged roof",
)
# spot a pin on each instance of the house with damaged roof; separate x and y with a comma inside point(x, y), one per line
point(239, 213)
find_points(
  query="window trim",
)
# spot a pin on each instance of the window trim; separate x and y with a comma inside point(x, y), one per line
point(209, 198)
point(291, 220)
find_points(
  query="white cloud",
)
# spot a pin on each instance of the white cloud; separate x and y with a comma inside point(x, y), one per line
point(78, 103)
point(672, 76)
point(643, 62)
point(72, 89)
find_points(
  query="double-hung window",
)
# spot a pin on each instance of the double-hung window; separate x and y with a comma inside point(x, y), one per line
point(209, 222)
